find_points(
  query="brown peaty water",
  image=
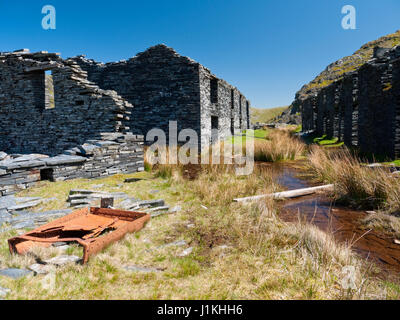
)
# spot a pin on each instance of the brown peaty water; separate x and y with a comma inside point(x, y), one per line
point(344, 223)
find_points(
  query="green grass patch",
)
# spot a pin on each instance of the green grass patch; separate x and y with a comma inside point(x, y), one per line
point(252, 134)
point(394, 162)
point(323, 141)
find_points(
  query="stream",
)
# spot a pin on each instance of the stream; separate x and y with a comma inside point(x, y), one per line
point(344, 223)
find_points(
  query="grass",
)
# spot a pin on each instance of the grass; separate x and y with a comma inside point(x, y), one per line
point(298, 129)
point(261, 134)
point(323, 141)
point(394, 162)
point(265, 115)
point(385, 223)
point(239, 251)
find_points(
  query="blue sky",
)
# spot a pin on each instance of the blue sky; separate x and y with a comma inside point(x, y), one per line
point(269, 49)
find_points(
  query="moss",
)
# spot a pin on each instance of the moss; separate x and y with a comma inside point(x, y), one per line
point(387, 86)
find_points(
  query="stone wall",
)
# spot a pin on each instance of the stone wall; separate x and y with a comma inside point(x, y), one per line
point(363, 108)
point(162, 85)
point(228, 108)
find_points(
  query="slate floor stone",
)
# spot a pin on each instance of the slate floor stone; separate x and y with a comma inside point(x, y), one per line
point(4, 292)
point(63, 260)
point(42, 269)
point(186, 252)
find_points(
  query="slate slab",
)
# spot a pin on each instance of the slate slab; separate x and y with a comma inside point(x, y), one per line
point(28, 224)
point(129, 180)
point(25, 205)
point(64, 159)
point(175, 209)
point(134, 268)
point(12, 165)
point(3, 155)
point(179, 243)
point(14, 273)
point(152, 203)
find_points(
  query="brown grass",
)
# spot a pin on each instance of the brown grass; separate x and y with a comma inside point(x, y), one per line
point(239, 251)
point(360, 186)
point(280, 145)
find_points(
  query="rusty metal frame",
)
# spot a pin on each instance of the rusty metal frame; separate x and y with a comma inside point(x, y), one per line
point(86, 227)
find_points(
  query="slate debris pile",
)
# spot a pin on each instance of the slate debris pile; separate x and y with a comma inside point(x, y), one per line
point(80, 198)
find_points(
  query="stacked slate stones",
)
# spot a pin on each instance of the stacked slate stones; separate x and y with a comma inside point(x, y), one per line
point(114, 153)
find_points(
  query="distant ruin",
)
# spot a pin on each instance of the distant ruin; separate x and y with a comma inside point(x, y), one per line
point(363, 108)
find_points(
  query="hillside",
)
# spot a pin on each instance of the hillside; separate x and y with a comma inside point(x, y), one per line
point(348, 64)
point(265, 115)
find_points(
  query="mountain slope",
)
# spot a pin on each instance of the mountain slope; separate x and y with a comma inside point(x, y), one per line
point(265, 115)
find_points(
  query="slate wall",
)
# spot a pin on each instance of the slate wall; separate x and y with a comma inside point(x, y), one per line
point(165, 86)
point(82, 110)
point(363, 108)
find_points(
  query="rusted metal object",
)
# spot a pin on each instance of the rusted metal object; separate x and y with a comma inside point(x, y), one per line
point(92, 228)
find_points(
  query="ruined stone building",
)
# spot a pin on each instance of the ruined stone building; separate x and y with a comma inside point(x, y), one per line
point(90, 119)
point(363, 108)
point(144, 92)
point(164, 86)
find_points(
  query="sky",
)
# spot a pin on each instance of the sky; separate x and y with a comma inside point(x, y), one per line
point(268, 49)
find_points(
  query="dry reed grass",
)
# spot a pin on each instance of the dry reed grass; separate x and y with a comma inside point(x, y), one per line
point(356, 184)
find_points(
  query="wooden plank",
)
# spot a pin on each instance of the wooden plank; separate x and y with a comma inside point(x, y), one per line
point(287, 194)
